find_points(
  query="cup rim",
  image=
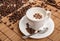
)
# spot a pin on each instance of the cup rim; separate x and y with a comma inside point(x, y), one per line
point(34, 8)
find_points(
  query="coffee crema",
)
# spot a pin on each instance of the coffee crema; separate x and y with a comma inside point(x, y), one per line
point(37, 16)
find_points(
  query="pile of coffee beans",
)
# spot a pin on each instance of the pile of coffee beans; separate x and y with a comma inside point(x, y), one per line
point(14, 17)
point(9, 6)
point(30, 30)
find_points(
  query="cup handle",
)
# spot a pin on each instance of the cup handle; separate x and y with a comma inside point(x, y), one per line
point(48, 16)
point(48, 13)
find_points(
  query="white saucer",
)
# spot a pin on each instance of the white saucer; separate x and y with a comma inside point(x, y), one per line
point(22, 26)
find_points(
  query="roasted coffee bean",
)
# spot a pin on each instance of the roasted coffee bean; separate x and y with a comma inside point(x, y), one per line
point(10, 9)
point(4, 14)
point(10, 21)
point(5, 22)
point(9, 25)
point(24, 1)
point(9, 1)
point(45, 9)
point(45, 6)
point(24, 9)
point(3, 10)
point(8, 6)
point(19, 3)
point(14, 17)
point(58, 5)
point(50, 10)
point(56, 10)
point(32, 3)
point(13, 22)
point(30, 30)
point(0, 17)
point(0, 21)
point(1, 1)
point(52, 1)
point(37, 6)
point(12, 28)
point(0, 40)
point(27, 24)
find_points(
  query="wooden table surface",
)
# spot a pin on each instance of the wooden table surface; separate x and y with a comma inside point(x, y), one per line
point(12, 11)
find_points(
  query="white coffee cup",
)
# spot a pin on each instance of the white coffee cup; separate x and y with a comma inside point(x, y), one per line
point(38, 24)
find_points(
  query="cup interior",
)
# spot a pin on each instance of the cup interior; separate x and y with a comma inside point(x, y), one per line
point(30, 12)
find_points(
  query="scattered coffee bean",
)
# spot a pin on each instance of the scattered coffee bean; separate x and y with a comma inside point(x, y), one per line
point(1, 1)
point(0, 21)
point(27, 24)
point(38, 31)
point(45, 6)
point(32, 3)
point(42, 4)
point(9, 25)
point(0, 40)
point(37, 6)
point(19, 3)
point(58, 4)
point(24, 1)
point(5, 22)
point(0, 17)
point(56, 10)
point(10, 21)
point(45, 9)
point(52, 1)
point(13, 23)
point(12, 28)
point(50, 10)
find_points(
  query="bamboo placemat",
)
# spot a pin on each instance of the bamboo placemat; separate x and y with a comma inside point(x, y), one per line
point(11, 11)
